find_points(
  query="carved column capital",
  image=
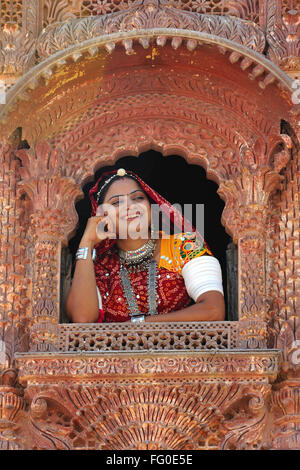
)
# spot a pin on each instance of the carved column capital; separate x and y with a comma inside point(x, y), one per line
point(247, 193)
point(54, 216)
point(52, 193)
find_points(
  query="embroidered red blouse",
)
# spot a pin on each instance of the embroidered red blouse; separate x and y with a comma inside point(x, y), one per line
point(172, 294)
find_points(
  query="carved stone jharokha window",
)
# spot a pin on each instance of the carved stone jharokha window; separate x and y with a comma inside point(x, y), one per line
point(91, 82)
point(184, 183)
point(247, 222)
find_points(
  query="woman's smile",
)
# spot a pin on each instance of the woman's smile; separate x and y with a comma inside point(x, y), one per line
point(133, 216)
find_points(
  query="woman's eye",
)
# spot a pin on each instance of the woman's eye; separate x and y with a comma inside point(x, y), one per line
point(115, 203)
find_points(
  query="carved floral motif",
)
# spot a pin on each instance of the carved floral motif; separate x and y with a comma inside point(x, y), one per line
point(246, 9)
point(17, 49)
point(283, 35)
point(135, 366)
point(189, 406)
point(11, 12)
point(285, 433)
point(58, 37)
point(12, 407)
point(144, 417)
point(59, 10)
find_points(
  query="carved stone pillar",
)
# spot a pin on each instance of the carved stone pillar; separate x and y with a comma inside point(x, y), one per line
point(53, 218)
point(283, 29)
point(14, 284)
point(246, 216)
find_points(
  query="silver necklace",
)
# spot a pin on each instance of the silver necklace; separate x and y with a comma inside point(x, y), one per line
point(135, 261)
point(151, 290)
point(138, 260)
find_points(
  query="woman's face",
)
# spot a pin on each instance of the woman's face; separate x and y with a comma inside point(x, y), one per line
point(129, 208)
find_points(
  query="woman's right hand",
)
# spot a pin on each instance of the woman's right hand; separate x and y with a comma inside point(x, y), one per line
point(98, 228)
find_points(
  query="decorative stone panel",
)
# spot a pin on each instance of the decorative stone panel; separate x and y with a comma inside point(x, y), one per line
point(198, 400)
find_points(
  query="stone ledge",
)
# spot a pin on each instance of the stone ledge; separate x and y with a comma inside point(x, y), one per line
point(188, 366)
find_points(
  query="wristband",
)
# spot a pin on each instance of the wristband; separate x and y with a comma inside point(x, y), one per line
point(82, 253)
point(138, 319)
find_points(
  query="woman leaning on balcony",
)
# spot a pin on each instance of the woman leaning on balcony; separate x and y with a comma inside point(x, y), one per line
point(125, 271)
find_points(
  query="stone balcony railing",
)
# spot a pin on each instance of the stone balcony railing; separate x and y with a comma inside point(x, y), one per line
point(148, 337)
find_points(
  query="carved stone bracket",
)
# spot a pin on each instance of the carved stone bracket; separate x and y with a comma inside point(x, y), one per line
point(12, 408)
point(285, 405)
point(252, 404)
point(177, 400)
point(53, 218)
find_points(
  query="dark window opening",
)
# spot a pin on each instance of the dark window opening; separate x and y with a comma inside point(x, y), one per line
point(178, 182)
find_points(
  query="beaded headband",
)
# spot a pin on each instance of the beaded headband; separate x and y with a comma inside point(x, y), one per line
point(120, 172)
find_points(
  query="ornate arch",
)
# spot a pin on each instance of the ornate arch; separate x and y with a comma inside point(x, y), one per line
point(69, 64)
point(245, 184)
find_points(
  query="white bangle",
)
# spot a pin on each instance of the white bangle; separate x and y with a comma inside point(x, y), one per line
point(201, 275)
point(82, 253)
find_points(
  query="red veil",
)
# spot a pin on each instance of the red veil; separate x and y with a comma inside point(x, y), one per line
point(169, 211)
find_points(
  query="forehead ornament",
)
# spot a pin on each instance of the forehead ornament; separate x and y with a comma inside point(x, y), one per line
point(120, 172)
